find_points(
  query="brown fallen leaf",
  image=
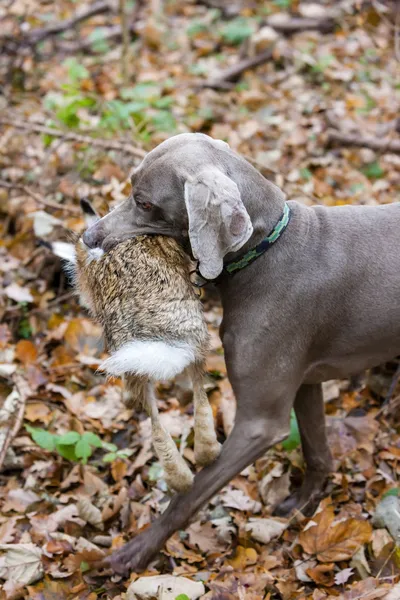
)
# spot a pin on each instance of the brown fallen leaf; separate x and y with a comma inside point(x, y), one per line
point(332, 542)
point(204, 536)
point(176, 549)
point(90, 513)
point(242, 558)
point(26, 352)
point(322, 574)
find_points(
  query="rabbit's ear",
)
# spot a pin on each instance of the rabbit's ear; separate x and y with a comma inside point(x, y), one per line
point(64, 250)
point(90, 213)
point(218, 220)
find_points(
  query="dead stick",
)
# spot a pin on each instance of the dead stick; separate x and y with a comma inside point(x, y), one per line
point(75, 137)
point(384, 144)
point(38, 35)
point(113, 33)
point(289, 26)
point(38, 198)
point(233, 73)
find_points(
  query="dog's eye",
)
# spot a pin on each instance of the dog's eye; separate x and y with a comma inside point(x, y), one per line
point(144, 205)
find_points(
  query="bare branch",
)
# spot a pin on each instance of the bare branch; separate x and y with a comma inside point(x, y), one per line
point(382, 145)
point(225, 78)
point(37, 197)
point(291, 25)
point(75, 137)
point(38, 35)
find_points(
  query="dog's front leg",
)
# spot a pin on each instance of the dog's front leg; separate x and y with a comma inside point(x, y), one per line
point(309, 408)
point(252, 435)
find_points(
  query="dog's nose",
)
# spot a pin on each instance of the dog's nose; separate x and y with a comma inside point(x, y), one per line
point(93, 236)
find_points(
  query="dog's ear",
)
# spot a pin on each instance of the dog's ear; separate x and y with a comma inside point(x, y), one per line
point(218, 220)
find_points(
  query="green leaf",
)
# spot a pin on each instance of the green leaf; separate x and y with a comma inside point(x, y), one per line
point(83, 450)
point(393, 492)
point(84, 566)
point(92, 439)
point(182, 597)
point(67, 452)
point(323, 62)
point(24, 329)
point(163, 120)
point(147, 90)
point(110, 447)
point(373, 170)
point(195, 28)
point(76, 70)
point(69, 438)
point(98, 41)
point(237, 30)
point(283, 3)
point(42, 438)
point(110, 457)
point(293, 440)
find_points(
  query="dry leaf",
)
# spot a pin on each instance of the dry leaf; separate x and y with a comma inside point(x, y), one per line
point(343, 576)
point(21, 564)
point(242, 558)
point(26, 352)
point(322, 574)
point(264, 530)
point(333, 542)
point(238, 499)
point(165, 587)
point(176, 549)
point(17, 293)
point(204, 536)
point(90, 513)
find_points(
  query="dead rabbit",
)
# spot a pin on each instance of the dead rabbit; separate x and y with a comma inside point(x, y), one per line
point(142, 295)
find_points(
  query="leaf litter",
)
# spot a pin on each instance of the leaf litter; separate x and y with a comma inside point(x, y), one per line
point(80, 477)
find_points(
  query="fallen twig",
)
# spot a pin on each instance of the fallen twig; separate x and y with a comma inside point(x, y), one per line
point(37, 197)
point(35, 36)
point(291, 25)
point(225, 79)
point(113, 33)
point(385, 144)
point(286, 26)
point(75, 137)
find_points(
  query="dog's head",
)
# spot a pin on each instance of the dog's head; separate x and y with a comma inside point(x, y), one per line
point(191, 187)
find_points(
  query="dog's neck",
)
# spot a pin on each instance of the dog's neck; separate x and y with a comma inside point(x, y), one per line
point(264, 202)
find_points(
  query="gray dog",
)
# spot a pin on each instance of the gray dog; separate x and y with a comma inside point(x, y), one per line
point(308, 294)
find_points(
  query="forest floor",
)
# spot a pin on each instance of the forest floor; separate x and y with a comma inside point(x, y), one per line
point(319, 117)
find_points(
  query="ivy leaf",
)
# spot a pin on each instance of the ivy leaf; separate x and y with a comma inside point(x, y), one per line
point(42, 438)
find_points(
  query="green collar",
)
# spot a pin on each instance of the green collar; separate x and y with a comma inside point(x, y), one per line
point(233, 266)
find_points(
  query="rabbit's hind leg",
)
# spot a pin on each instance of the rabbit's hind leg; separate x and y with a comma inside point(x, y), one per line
point(206, 445)
point(177, 473)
